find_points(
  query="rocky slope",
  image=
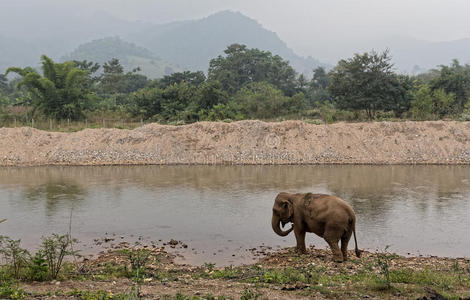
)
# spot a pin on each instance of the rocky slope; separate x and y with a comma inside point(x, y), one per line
point(244, 142)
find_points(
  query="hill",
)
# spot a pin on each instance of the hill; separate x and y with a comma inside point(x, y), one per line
point(130, 56)
point(192, 44)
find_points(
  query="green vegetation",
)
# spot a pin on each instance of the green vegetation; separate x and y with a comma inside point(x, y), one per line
point(241, 84)
point(45, 264)
point(376, 275)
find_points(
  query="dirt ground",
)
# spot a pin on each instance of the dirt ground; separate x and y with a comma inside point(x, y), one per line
point(244, 142)
point(278, 275)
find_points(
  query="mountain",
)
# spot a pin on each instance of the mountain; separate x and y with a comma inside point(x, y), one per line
point(130, 56)
point(192, 44)
point(415, 56)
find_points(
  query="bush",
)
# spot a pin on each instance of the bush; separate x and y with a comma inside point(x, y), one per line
point(55, 248)
point(15, 256)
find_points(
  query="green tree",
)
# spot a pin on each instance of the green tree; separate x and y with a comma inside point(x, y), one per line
point(422, 105)
point(453, 79)
point(210, 93)
point(193, 78)
point(147, 102)
point(366, 82)
point(241, 66)
point(61, 91)
point(444, 103)
point(317, 92)
point(261, 100)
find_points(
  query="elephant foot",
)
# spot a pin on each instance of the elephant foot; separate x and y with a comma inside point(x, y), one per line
point(338, 259)
point(301, 250)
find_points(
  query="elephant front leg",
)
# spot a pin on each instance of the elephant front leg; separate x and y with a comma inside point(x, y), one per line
point(300, 237)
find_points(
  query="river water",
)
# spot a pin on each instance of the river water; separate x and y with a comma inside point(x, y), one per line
point(221, 211)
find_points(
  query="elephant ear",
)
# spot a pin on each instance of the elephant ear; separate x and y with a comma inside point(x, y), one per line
point(287, 204)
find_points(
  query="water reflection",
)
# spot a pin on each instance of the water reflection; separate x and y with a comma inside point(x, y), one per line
point(412, 208)
point(56, 194)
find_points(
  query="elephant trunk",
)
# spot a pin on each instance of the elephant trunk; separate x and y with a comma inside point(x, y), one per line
point(276, 222)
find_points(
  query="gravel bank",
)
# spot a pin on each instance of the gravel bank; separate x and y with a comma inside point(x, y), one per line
point(244, 142)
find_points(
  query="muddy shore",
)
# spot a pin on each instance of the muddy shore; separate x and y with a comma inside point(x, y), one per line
point(244, 142)
point(281, 274)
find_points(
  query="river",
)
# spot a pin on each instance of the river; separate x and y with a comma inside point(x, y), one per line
point(222, 211)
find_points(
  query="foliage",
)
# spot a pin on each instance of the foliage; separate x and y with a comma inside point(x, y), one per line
point(15, 256)
point(38, 268)
point(139, 258)
point(242, 66)
point(422, 104)
point(261, 100)
point(428, 104)
point(10, 290)
point(366, 82)
point(54, 249)
point(193, 78)
point(454, 79)
point(61, 92)
point(242, 84)
point(383, 263)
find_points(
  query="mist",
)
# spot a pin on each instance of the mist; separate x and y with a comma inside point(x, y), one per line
point(324, 30)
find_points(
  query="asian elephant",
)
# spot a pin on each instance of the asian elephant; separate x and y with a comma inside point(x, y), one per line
point(327, 216)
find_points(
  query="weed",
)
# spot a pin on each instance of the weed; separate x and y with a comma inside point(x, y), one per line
point(209, 267)
point(38, 269)
point(383, 262)
point(249, 294)
point(55, 248)
point(16, 257)
point(10, 290)
point(97, 295)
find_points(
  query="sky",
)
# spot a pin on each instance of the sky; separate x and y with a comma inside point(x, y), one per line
point(311, 27)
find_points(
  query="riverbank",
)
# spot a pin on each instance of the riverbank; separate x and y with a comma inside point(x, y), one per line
point(279, 275)
point(244, 142)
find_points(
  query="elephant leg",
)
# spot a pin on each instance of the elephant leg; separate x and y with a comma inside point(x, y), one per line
point(332, 238)
point(344, 244)
point(300, 237)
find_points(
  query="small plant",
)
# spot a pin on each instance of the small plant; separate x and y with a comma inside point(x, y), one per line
point(209, 267)
point(249, 294)
point(55, 248)
point(38, 269)
point(10, 290)
point(139, 259)
point(16, 257)
point(383, 262)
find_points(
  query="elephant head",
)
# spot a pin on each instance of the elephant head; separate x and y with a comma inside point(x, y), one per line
point(283, 212)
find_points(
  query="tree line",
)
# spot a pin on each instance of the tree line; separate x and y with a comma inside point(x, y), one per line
point(241, 84)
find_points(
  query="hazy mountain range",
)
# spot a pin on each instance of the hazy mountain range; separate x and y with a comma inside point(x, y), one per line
point(189, 45)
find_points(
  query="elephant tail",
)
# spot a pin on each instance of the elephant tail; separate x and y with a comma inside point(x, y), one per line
point(358, 252)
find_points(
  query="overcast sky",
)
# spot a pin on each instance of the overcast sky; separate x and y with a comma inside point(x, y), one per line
point(310, 27)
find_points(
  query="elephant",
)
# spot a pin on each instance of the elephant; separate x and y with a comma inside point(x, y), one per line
point(327, 216)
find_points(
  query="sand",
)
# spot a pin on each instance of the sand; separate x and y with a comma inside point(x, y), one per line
point(244, 142)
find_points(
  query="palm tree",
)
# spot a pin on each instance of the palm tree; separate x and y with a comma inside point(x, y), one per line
point(61, 92)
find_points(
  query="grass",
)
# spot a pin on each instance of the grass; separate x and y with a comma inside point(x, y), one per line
point(380, 275)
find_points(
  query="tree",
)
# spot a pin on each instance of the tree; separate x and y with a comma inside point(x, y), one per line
point(61, 91)
point(241, 66)
point(427, 103)
point(116, 83)
point(193, 78)
point(454, 79)
point(210, 93)
point(147, 102)
point(365, 82)
point(112, 79)
point(3, 83)
point(422, 104)
point(317, 92)
point(261, 100)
